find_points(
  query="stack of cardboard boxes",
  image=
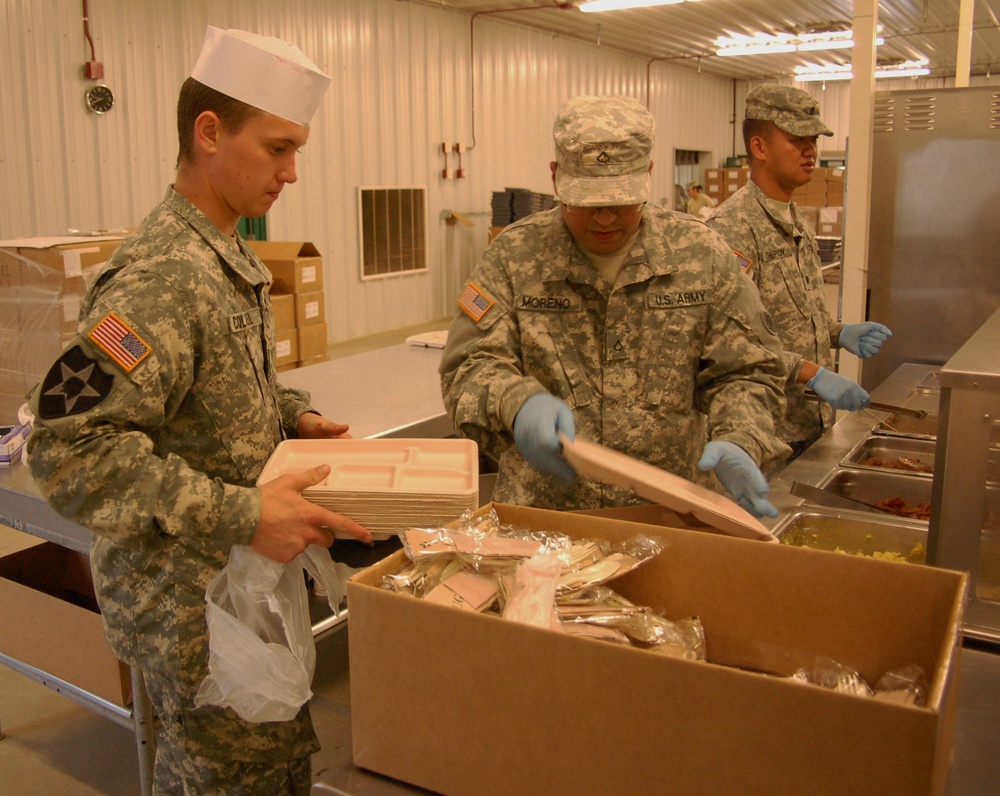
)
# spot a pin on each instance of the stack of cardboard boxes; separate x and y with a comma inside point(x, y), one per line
point(42, 285)
point(820, 200)
point(720, 184)
point(297, 300)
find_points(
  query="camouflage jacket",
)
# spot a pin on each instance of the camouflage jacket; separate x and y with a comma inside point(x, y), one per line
point(676, 352)
point(151, 430)
point(779, 254)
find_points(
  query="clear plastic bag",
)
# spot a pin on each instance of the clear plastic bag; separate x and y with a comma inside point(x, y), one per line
point(261, 650)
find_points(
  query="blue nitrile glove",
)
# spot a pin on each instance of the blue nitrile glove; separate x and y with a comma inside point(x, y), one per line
point(740, 475)
point(535, 428)
point(864, 339)
point(840, 392)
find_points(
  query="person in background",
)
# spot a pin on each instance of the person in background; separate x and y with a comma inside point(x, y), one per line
point(699, 203)
point(154, 424)
point(778, 251)
point(628, 324)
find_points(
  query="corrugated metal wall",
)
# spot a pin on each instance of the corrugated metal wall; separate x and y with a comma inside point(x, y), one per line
point(407, 77)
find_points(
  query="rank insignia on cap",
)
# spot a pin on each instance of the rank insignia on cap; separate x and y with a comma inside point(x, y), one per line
point(473, 302)
point(74, 384)
point(113, 336)
point(744, 261)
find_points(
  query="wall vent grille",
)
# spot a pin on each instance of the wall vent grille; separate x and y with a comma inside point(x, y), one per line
point(393, 231)
point(920, 114)
point(885, 114)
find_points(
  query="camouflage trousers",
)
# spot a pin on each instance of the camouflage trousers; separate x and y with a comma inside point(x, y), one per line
point(178, 773)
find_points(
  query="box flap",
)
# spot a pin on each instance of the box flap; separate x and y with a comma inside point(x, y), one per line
point(282, 250)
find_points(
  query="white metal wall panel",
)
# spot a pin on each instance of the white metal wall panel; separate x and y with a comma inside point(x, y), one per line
point(406, 78)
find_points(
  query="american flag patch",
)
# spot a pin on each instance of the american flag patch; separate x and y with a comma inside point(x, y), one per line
point(744, 261)
point(119, 342)
point(473, 302)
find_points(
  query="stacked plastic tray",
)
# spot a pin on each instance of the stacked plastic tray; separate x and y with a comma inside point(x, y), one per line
point(386, 484)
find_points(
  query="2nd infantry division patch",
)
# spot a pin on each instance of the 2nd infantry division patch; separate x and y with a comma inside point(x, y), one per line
point(114, 337)
point(473, 302)
point(74, 384)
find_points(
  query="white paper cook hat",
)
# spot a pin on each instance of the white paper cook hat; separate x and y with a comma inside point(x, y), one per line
point(267, 73)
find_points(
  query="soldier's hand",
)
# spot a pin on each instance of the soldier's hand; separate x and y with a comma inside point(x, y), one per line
point(740, 475)
point(314, 426)
point(289, 523)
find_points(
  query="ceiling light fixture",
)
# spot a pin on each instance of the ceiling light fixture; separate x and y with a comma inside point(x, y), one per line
point(758, 44)
point(804, 74)
point(614, 5)
point(765, 43)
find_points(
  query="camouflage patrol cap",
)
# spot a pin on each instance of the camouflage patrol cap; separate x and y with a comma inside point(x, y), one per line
point(602, 151)
point(791, 109)
point(693, 184)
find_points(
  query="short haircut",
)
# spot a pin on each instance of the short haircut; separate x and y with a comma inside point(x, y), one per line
point(752, 127)
point(196, 98)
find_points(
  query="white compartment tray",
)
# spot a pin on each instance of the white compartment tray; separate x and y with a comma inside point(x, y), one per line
point(406, 466)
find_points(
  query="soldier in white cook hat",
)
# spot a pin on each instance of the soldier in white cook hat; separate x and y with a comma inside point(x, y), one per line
point(154, 423)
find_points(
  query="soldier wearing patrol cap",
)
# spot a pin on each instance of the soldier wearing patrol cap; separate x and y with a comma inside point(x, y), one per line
point(699, 203)
point(629, 325)
point(778, 251)
point(154, 424)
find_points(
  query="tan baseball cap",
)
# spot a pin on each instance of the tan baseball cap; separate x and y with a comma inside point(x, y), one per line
point(791, 109)
point(602, 151)
point(267, 73)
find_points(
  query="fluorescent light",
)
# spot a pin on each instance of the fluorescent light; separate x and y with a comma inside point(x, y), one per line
point(755, 49)
point(807, 77)
point(614, 5)
point(758, 44)
point(914, 71)
point(804, 74)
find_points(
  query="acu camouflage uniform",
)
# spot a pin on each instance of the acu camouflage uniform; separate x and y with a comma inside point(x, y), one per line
point(151, 431)
point(674, 353)
point(779, 253)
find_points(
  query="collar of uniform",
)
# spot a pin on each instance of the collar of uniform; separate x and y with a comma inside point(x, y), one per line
point(780, 212)
point(246, 265)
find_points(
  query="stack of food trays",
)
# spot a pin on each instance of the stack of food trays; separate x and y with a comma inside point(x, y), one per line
point(387, 485)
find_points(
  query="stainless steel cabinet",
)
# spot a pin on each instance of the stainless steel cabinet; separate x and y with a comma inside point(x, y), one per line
point(965, 516)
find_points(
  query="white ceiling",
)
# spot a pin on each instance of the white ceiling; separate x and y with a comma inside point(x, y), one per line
point(686, 33)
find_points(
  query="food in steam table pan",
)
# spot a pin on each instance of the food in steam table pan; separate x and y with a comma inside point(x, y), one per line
point(906, 463)
point(921, 511)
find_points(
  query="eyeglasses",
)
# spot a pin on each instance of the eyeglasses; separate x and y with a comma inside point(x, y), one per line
point(615, 210)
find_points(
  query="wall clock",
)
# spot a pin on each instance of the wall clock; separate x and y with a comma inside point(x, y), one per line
point(100, 99)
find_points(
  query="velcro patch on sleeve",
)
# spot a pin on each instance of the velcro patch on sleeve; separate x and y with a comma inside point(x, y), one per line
point(473, 302)
point(116, 339)
point(744, 261)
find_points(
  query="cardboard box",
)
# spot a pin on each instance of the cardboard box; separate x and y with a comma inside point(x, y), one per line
point(465, 703)
point(283, 310)
point(312, 341)
point(810, 215)
point(52, 621)
point(69, 266)
point(310, 308)
point(286, 347)
point(295, 266)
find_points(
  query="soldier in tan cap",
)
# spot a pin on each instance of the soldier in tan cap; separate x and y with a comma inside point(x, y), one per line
point(606, 317)
point(154, 424)
point(778, 251)
point(699, 203)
